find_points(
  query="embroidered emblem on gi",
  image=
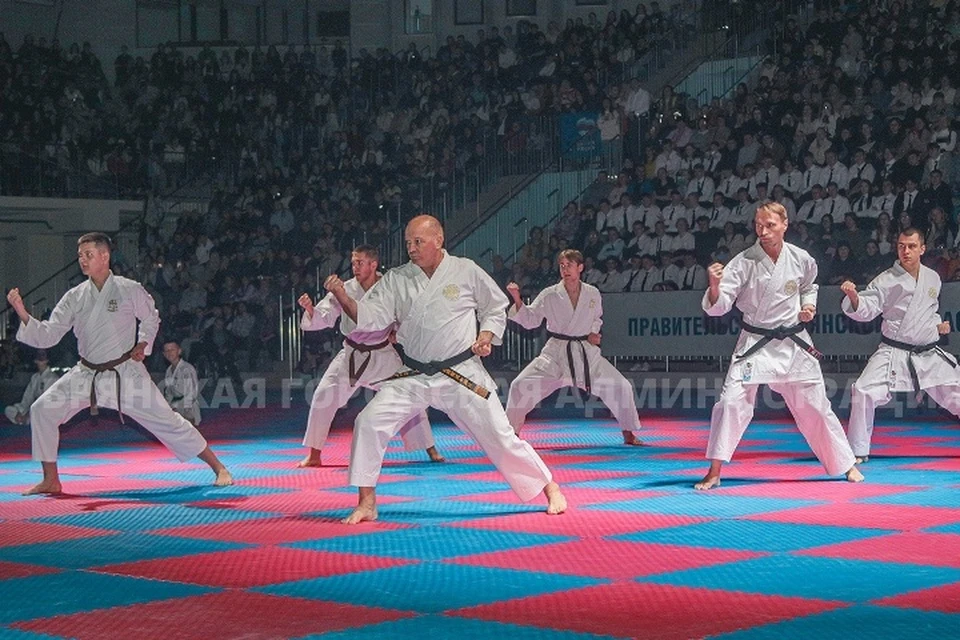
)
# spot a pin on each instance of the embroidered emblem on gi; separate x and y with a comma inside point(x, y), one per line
point(932, 292)
point(451, 292)
point(790, 287)
point(593, 303)
point(112, 306)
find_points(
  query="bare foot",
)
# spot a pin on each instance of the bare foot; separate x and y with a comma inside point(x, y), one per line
point(363, 513)
point(435, 456)
point(854, 475)
point(630, 438)
point(556, 503)
point(863, 459)
point(45, 486)
point(224, 478)
point(709, 481)
point(312, 460)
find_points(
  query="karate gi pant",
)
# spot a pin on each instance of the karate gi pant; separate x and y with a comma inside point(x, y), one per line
point(334, 391)
point(140, 400)
point(483, 419)
point(807, 402)
point(869, 393)
point(550, 371)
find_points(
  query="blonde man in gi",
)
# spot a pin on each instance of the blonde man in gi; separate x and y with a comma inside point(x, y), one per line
point(571, 356)
point(181, 387)
point(437, 300)
point(103, 312)
point(909, 357)
point(365, 359)
point(773, 284)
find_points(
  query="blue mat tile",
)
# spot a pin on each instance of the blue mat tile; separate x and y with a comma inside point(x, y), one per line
point(809, 577)
point(79, 591)
point(752, 535)
point(433, 512)
point(150, 518)
point(438, 626)
point(700, 503)
point(430, 587)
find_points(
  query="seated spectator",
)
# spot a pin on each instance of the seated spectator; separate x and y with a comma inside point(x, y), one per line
point(43, 379)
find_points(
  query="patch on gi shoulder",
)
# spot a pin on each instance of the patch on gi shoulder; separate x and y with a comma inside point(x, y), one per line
point(112, 306)
point(932, 292)
point(593, 304)
point(451, 292)
point(790, 287)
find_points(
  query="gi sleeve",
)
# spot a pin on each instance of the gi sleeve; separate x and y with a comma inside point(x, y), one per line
point(809, 289)
point(325, 314)
point(190, 386)
point(529, 316)
point(47, 333)
point(146, 312)
point(871, 302)
point(731, 283)
point(491, 304)
point(597, 316)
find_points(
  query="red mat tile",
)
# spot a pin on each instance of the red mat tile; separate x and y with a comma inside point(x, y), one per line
point(277, 530)
point(62, 505)
point(946, 464)
point(945, 599)
point(651, 611)
point(244, 568)
point(936, 549)
point(16, 532)
point(294, 503)
point(560, 475)
point(867, 516)
point(575, 496)
point(583, 523)
point(611, 559)
point(11, 570)
point(250, 616)
point(112, 485)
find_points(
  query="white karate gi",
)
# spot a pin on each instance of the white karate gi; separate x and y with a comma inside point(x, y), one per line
point(181, 388)
point(438, 319)
point(770, 295)
point(335, 390)
point(39, 382)
point(551, 369)
point(909, 309)
point(105, 323)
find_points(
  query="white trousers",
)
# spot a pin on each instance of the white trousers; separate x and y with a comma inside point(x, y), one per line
point(140, 400)
point(334, 391)
point(550, 371)
point(483, 419)
point(867, 395)
point(809, 406)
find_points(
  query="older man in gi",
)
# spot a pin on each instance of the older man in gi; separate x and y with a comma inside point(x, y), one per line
point(365, 359)
point(773, 284)
point(909, 357)
point(103, 312)
point(571, 357)
point(437, 300)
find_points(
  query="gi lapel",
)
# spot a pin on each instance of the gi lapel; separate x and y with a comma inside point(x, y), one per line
point(98, 315)
point(922, 285)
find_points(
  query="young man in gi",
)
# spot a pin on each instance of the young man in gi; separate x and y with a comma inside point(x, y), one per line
point(181, 387)
point(909, 357)
point(774, 284)
point(571, 357)
point(437, 300)
point(366, 358)
point(103, 312)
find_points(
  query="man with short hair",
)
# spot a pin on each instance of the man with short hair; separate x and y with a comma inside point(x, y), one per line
point(573, 311)
point(366, 359)
point(438, 300)
point(774, 284)
point(910, 356)
point(43, 379)
point(103, 312)
point(181, 387)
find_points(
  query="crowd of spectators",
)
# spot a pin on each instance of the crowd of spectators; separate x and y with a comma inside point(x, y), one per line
point(851, 126)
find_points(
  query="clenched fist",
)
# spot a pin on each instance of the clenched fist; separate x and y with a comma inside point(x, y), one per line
point(333, 284)
point(715, 273)
point(306, 302)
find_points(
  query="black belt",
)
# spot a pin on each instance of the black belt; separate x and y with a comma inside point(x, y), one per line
point(354, 371)
point(97, 370)
point(914, 349)
point(442, 366)
point(780, 333)
point(583, 350)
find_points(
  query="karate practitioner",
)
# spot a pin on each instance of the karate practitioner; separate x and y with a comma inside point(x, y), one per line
point(773, 284)
point(909, 357)
point(181, 387)
point(103, 312)
point(437, 299)
point(365, 359)
point(43, 379)
point(571, 357)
